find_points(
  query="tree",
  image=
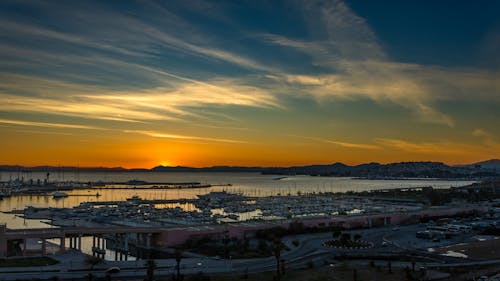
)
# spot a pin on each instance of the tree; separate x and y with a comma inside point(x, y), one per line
point(345, 238)
point(245, 273)
point(151, 266)
point(336, 232)
point(246, 244)
point(357, 236)
point(178, 258)
point(277, 248)
point(262, 245)
point(226, 241)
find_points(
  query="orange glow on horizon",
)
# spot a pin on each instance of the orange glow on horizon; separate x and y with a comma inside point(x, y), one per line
point(138, 151)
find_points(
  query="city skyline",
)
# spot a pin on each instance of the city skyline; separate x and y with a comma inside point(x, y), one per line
point(195, 83)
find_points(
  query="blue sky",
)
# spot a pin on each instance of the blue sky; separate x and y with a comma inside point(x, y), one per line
point(351, 81)
point(452, 33)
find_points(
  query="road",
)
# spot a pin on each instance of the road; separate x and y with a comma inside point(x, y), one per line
point(386, 241)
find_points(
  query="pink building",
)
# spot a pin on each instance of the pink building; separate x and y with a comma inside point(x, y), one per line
point(178, 236)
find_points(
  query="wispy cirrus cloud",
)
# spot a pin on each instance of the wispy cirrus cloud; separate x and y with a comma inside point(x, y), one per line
point(48, 34)
point(125, 35)
point(355, 145)
point(443, 147)
point(161, 103)
point(339, 143)
point(480, 133)
point(47, 124)
point(355, 66)
point(182, 137)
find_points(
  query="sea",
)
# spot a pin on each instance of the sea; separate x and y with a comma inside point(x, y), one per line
point(251, 184)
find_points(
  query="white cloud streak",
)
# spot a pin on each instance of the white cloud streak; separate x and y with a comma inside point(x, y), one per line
point(443, 147)
point(47, 125)
point(162, 103)
point(182, 137)
point(340, 143)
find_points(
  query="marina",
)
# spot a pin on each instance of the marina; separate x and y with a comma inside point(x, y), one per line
point(214, 207)
point(251, 185)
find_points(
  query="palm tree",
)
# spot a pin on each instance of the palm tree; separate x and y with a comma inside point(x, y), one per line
point(178, 257)
point(226, 241)
point(336, 232)
point(151, 266)
point(277, 248)
point(357, 236)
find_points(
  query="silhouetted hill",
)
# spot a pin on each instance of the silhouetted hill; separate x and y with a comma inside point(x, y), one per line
point(493, 164)
point(482, 170)
point(18, 168)
point(228, 169)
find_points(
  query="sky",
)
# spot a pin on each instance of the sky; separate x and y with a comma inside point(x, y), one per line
point(249, 83)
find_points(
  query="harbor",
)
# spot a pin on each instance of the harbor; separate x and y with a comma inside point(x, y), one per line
point(214, 207)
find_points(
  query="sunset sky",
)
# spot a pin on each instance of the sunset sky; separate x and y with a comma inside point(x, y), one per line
point(202, 83)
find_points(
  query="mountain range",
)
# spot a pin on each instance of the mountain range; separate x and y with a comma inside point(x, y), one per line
point(484, 169)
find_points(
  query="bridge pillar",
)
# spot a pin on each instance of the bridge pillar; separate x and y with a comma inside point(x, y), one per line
point(3, 241)
point(79, 242)
point(104, 246)
point(139, 245)
point(148, 241)
point(98, 242)
point(125, 246)
point(116, 255)
point(62, 248)
point(44, 247)
point(24, 246)
point(148, 244)
point(93, 241)
point(3, 247)
point(71, 246)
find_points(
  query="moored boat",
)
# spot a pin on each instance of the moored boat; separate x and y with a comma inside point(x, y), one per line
point(59, 194)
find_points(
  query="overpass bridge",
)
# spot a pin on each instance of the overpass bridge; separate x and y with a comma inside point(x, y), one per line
point(11, 240)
